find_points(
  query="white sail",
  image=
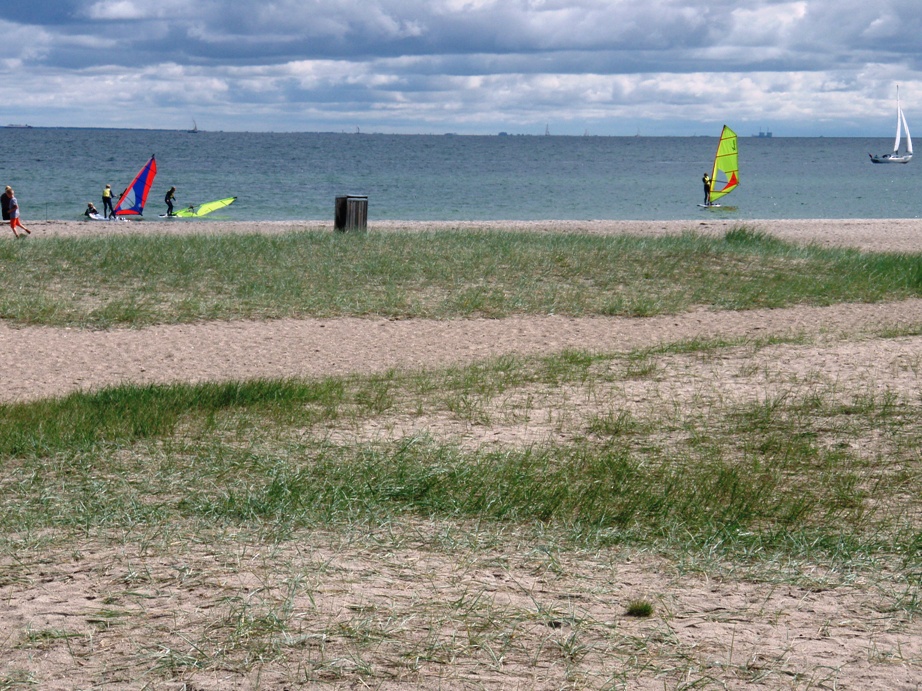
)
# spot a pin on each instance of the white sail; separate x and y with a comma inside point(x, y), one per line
point(901, 125)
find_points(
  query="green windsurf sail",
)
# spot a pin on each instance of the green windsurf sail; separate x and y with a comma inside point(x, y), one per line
point(725, 175)
point(205, 209)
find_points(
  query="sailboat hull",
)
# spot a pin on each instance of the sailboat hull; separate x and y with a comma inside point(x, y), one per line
point(890, 159)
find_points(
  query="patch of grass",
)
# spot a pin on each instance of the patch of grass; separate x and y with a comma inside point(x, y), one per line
point(639, 608)
point(615, 424)
point(41, 638)
point(764, 477)
point(124, 414)
point(137, 281)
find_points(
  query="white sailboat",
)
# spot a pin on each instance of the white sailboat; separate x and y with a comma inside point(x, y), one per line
point(895, 157)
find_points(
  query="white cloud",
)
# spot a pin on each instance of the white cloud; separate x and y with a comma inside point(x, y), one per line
point(440, 63)
point(769, 25)
point(140, 10)
point(120, 9)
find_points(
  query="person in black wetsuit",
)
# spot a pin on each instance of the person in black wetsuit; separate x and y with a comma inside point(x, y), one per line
point(5, 201)
point(169, 199)
point(707, 189)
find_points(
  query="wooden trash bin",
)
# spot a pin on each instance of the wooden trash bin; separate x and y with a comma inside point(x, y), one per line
point(351, 213)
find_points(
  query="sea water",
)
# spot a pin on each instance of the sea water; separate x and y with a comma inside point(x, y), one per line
point(278, 176)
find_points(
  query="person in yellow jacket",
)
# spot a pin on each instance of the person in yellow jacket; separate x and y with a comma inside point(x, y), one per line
point(107, 207)
point(707, 189)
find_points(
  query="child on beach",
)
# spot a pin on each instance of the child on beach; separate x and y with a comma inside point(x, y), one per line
point(14, 213)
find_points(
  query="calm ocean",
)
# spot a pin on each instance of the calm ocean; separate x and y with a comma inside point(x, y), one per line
point(456, 178)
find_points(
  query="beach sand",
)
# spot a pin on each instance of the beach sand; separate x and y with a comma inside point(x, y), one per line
point(736, 631)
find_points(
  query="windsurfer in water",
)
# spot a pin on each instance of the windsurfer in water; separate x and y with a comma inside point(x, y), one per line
point(90, 210)
point(169, 199)
point(707, 189)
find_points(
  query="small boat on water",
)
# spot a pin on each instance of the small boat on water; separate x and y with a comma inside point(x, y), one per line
point(895, 157)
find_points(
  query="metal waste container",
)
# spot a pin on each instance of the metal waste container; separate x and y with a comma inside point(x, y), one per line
point(351, 213)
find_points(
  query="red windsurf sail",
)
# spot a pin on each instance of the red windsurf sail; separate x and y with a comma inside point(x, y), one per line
point(132, 201)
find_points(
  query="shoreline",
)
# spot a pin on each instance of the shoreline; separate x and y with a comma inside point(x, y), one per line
point(879, 235)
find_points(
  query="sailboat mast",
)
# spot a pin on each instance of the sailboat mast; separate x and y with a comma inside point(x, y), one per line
point(899, 122)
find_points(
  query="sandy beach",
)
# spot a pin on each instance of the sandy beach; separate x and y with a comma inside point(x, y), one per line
point(788, 632)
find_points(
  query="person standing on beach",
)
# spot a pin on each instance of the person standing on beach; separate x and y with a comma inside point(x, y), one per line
point(107, 207)
point(707, 189)
point(169, 199)
point(5, 201)
point(14, 214)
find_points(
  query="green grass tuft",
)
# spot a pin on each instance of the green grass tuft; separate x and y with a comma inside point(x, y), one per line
point(639, 608)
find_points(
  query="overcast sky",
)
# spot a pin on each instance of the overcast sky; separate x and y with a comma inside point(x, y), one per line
point(605, 67)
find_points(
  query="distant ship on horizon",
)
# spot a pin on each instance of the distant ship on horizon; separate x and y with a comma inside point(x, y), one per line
point(21, 127)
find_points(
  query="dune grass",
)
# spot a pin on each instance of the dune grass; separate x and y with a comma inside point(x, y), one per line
point(774, 476)
point(143, 280)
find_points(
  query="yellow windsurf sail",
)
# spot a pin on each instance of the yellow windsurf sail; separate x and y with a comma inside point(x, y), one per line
point(725, 175)
point(207, 208)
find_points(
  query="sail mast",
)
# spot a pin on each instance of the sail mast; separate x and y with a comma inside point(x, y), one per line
point(899, 122)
